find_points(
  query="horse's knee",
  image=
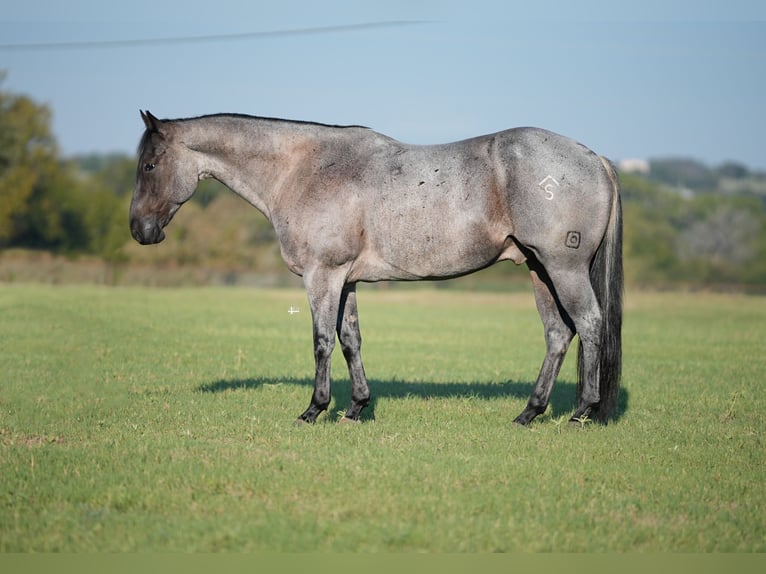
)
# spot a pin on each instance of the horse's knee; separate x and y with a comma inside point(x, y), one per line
point(557, 342)
point(323, 348)
point(349, 333)
point(350, 343)
point(350, 350)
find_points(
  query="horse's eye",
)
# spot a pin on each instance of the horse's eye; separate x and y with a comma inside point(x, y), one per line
point(149, 166)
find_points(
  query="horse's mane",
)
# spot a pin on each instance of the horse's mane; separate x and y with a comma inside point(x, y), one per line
point(147, 133)
point(269, 119)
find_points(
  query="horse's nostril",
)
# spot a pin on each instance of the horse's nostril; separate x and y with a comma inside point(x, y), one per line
point(136, 231)
point(144, 233)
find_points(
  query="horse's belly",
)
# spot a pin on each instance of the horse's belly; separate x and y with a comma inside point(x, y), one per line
point(429, 253)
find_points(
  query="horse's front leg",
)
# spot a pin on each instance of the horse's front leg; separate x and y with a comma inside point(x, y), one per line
point(324, 291)
point(351, 344)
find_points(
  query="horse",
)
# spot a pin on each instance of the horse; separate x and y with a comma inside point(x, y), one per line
point(351, 205)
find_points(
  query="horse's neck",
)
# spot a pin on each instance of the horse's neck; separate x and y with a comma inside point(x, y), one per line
point(249, 158)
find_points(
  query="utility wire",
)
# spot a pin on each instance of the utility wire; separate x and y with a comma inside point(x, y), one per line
point(210, 38)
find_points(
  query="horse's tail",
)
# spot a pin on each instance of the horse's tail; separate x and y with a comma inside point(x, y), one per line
point(606, 277)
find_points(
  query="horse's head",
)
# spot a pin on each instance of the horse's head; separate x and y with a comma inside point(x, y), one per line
point(166, 177)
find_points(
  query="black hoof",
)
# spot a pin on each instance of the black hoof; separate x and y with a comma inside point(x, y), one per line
point(526, 417)
point(311, 414)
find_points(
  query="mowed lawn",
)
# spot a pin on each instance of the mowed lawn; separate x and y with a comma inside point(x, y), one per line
point(162, 420)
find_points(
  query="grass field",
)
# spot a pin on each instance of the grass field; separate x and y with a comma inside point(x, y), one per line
point(162, 420)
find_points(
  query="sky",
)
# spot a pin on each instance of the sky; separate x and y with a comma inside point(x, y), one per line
point(648, 79)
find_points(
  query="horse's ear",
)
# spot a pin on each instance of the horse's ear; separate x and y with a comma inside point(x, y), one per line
point(152, 124)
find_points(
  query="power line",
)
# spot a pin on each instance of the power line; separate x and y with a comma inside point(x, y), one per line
point(209, 38)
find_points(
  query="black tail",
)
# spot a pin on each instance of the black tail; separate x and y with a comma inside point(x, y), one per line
point(606, 278)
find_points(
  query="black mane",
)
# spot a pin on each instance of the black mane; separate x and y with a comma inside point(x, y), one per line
point(147, 133)
point(269, 119)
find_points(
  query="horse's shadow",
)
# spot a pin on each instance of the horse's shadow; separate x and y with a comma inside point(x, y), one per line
point(562, 402)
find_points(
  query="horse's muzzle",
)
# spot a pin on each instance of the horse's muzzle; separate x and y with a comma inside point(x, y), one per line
point(146, 233)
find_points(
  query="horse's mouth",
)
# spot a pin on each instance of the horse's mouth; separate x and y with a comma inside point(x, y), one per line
point(149, 230)
point(146, 233)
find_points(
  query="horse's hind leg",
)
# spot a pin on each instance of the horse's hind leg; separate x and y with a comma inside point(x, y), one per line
point(559, 331)
point(575, 294)
point(351, 344)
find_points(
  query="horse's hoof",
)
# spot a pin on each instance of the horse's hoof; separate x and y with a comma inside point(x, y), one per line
point(524, 419)
point(348, 421)
point(299, 422)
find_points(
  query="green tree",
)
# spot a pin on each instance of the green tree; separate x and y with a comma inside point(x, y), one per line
point(47, 203)
point(27, 152)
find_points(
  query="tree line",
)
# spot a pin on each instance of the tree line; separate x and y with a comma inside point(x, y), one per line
point(49, 203)
point(685, 224)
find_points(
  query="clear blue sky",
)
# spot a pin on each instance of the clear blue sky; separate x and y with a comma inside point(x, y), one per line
point(635, 79)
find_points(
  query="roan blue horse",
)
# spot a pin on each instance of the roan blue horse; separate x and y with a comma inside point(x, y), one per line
point(349, 204)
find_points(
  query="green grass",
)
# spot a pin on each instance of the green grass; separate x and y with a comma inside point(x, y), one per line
point(162, 420)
